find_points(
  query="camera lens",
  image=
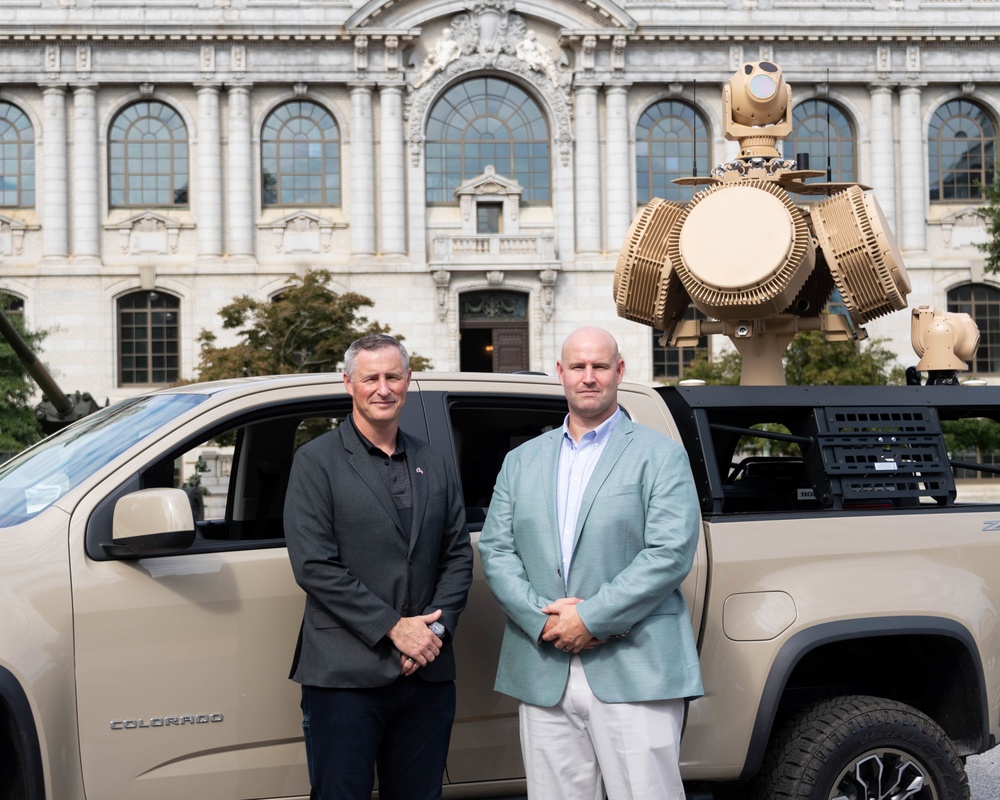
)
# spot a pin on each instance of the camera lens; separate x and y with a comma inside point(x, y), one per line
point(762, 86)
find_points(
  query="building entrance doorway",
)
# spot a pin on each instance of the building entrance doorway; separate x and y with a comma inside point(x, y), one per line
point(493, 332)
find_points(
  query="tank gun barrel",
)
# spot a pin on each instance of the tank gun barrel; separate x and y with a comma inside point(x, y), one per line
point(60, 401)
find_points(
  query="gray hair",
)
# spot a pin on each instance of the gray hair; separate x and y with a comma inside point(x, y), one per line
point(370, 343)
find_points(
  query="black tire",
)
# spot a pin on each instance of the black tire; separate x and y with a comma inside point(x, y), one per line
point(833, 749)
point(11, 775)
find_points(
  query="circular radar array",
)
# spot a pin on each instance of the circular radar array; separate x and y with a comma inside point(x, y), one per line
point(742, 251)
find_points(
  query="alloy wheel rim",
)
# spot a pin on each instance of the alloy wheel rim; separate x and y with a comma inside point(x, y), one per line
point(884, 774)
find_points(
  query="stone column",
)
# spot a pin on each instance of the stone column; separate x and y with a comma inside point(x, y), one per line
point(240, 196)
point(362, 214)
point(416, 199)
point(86, 197)
point(392, 197)
point(52, 190)
point(883, 177)
point(913, 191)
point(619, 168)
point(588, 172)
point(207, 187)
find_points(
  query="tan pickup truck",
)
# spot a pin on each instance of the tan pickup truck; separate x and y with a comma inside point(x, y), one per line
point(846, 604)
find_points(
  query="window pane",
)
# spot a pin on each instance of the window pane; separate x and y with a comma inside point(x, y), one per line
point(482, 122)
point(17, 167)
point(147, 157)
point(822, 138)
point(488, 217)
point(671, 142)
point(149, 340)
point(982, 303)
point(961, 147)
point(669, 363)
point(300, 156)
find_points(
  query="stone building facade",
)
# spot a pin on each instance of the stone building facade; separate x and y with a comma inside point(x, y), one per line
point(470, 165)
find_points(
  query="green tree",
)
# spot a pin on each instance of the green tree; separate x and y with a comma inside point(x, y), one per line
point(989, 213)
point(306, 329)
point(721, 371)
point(18, 425)
point(972, 435)
point(813, 361)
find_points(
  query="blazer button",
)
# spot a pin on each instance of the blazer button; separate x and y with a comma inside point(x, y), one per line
point(405, 606)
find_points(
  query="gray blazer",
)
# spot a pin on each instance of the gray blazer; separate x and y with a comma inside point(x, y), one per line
point(360, 572)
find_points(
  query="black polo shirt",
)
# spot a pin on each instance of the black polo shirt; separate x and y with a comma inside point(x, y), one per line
point(395, 474)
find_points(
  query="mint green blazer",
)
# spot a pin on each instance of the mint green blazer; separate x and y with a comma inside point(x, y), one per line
point(635, 542)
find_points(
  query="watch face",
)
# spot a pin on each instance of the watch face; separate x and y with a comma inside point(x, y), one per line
point(436, 628)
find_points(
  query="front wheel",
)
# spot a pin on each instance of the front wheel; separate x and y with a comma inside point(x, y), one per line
point(862, 748)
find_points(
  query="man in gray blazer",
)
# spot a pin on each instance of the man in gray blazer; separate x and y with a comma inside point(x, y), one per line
point(591, 530)
point(376, 533)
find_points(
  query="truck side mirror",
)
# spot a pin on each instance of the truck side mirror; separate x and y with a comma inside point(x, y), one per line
point(151, 522)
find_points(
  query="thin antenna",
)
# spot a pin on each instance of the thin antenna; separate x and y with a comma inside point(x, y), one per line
point(829, 166)
point(694, 155)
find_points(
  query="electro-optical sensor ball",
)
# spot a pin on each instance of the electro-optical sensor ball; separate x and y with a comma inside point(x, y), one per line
point(759, 96)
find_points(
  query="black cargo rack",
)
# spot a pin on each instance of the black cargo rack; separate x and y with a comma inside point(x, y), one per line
point(860, 447)
point(882, 455)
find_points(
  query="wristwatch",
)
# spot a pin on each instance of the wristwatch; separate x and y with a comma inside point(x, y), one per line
point(438, 630)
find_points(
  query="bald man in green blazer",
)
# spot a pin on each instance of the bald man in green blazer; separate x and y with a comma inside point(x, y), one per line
point(591, 530)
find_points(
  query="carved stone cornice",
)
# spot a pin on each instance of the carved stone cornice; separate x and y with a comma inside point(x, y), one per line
point(149, 232)
point(490, 37)
point(301, 232)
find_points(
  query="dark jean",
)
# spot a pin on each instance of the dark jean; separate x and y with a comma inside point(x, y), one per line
point(401, 730)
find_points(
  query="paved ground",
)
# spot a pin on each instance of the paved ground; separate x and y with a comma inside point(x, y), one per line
point(984, 776)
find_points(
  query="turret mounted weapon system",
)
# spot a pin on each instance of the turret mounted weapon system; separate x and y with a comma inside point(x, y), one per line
point(762, 268)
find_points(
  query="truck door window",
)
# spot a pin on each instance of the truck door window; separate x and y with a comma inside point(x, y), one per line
point(485, 430)
point(235, 479)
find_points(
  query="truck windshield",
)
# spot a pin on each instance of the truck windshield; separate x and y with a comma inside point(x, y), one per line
point(32, 481)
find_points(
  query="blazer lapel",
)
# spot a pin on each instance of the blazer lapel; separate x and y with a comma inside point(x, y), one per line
point(619, 440)
point(361, 462)
point(550, 477)
point(418, 486)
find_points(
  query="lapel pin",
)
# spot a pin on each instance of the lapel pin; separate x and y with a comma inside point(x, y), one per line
point(419, 471)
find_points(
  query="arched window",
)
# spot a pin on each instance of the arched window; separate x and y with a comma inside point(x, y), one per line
point(300, 156)
point(823, 133)
point(486, 121)
point(17, 159)
point(982, 303)
point(961, 144)
point(671, 140)
point(148, 339)
point(670, 363)
point(148, 157)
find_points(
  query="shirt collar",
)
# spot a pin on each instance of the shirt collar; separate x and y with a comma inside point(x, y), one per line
point(372, 449)
point(598, 435)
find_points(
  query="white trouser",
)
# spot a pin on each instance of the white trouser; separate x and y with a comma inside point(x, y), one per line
point(570, 748)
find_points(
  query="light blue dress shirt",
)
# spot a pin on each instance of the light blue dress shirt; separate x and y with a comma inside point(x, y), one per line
point(576, 464)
